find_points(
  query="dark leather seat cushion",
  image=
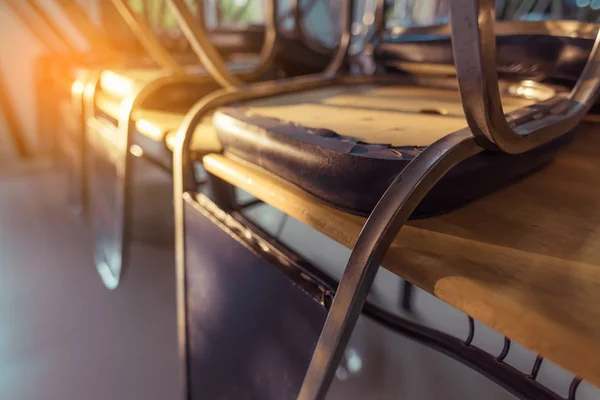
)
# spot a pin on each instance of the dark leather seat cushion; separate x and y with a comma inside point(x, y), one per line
point(524, 56)
point(351, 174)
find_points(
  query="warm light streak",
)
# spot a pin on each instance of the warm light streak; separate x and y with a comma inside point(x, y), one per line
point(149, 129)
point(77, 87)
point(116, 84)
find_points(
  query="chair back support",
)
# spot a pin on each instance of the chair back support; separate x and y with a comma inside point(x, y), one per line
point(474, 49)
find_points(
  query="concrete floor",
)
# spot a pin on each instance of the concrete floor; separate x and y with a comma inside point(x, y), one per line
point(63, 336)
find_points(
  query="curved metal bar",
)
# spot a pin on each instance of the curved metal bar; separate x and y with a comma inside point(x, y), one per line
point(112, 254)
point(198, 38)
point(147, 38)
point(341, 55)
point(474, 48)
point(382, 226)
point(81, 21)
point(267, 53)
point(184, 180)
point(109, 276)
point(299, 15)
point(85, 101)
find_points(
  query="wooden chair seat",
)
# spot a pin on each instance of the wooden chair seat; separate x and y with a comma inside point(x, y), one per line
point(162, 126)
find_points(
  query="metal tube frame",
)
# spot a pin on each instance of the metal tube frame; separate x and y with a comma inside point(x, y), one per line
point(122, 234)
point(184, 180)
point(384, 223)
point(143, 32)
point(197, 36)
point(474, 48)
point(111, 274)
point(84, 101)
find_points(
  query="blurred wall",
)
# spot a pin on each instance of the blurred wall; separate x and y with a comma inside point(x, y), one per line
point(18, 52)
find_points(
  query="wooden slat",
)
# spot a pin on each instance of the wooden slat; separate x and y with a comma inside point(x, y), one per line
point(525, 260)
point(163, 125)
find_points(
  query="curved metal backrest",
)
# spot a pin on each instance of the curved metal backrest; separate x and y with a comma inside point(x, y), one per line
point(41, 25)
point(78, 17)
point(343, 49)
point(474, 47)
point(198, 38)
point(196, 34)
point(144, 33)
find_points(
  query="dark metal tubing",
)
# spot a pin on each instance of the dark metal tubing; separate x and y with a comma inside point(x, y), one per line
point(504, 375)
point(382, 226)
point(474, 48)
point(573, 388)
point(536, 367)
point(505, 349)
point(406, 296)
point(341, 55)
point(471, 334)
point(197, 36)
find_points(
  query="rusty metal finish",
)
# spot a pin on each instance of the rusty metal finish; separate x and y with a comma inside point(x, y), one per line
point(392, 211)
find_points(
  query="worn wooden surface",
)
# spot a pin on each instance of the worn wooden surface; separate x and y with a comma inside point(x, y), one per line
point(163, 125)
point(524, 260)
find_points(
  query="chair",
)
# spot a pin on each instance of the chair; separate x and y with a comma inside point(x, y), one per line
point(131, 118)
point(289, 144)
